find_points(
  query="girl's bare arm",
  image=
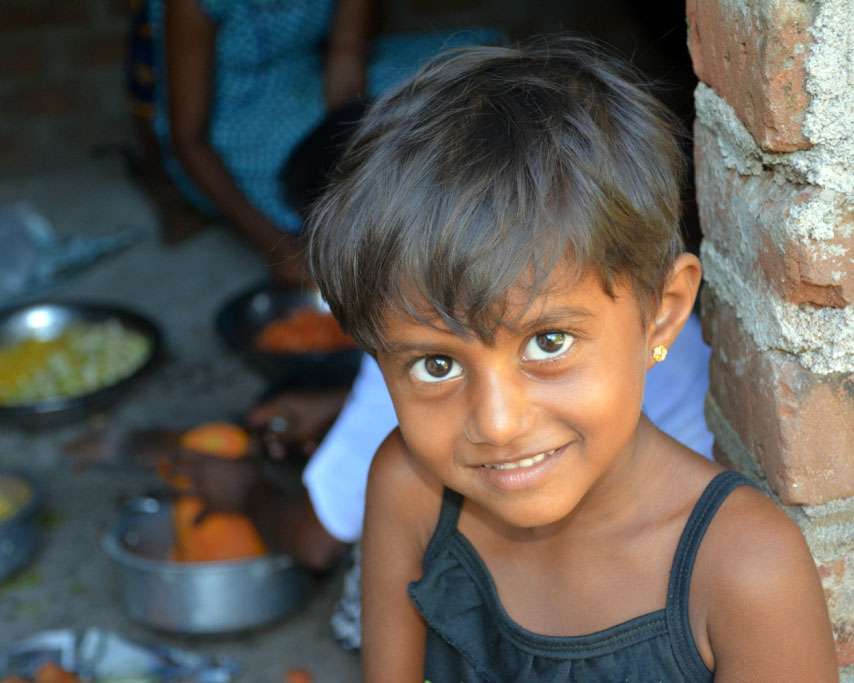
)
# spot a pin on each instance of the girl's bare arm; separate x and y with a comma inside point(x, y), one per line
point(767, 619)
point(400, 512)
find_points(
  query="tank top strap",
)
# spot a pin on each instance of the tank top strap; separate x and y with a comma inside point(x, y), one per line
point(452, 503)
point(679, 586)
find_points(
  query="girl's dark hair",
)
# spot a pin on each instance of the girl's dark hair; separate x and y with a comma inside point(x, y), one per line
point(484, 171)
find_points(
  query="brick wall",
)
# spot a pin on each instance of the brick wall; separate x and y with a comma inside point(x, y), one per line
point(61, 79)
point(774, 156)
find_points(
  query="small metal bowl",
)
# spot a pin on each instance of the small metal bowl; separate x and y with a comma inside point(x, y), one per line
point(199, 598)
point(46, 320)
point(20, 533)
point(242, 318)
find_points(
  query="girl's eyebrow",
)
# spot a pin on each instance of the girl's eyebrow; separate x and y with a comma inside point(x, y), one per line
point(398, 347)
point(554, 317)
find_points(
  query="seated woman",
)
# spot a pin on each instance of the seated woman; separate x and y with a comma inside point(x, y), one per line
point(238, 85)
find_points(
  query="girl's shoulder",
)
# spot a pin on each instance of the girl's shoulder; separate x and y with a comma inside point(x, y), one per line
point(394, 538)
point(399, 488)
point(746, 543)
point(757, 586)
point(751, 538)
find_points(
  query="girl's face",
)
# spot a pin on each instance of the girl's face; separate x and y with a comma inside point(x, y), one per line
point(526, 426)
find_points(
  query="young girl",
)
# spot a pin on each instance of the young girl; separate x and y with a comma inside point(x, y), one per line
point(503, 236)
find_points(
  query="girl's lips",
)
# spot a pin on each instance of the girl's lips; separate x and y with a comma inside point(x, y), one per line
point(520, 474)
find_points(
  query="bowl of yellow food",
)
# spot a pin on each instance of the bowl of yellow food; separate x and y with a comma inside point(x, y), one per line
point(61, 361)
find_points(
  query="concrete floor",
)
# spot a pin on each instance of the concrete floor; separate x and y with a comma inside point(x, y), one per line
point(70, 585)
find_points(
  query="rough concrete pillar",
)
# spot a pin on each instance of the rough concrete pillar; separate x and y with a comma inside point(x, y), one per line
point(774, 152)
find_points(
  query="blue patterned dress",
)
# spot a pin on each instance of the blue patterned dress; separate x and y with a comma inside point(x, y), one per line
point(268, 90)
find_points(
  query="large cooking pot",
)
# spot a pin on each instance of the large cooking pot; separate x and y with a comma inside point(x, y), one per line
point(200, 597)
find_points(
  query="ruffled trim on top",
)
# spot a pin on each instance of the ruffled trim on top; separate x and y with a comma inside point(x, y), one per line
point(458, 600)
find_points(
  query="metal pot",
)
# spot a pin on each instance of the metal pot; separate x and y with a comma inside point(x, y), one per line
point(20, 534)
point(198, 598)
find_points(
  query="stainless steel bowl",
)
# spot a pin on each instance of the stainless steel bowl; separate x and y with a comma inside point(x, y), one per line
point(46, 320)
point(202, 597)
point(242, 318)
point(20, 534)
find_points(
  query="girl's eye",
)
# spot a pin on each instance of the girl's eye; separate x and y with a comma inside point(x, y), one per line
point(547, 345)
point(435, 369)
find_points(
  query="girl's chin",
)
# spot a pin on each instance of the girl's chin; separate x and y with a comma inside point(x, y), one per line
point(539, 511)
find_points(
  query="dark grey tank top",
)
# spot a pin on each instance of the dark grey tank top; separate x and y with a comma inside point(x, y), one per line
point(471, 638)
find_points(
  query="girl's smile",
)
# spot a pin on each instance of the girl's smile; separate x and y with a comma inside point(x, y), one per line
point(526, 472)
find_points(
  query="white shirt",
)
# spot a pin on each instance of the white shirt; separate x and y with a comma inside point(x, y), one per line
point(337, 474)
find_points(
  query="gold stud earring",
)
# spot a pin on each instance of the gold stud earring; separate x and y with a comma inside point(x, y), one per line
point(659, 353)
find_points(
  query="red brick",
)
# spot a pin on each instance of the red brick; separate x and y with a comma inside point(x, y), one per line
point(14, 148)
point(20, 60)
point(838, 584)
point(100, 50)
point(803, 273)
point(74, 138)
point(38, 14)
point(753, 221)
point(120, 9)
point(39, 100)
point(734, 208)
point(799, 426)
point(844, 636)
point(105, 93)
point(754, 56)
point(833, 571)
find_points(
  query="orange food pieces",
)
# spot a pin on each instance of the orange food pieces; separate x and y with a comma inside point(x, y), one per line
point(167, 471)
point(221, 439)
point(298, 676)
point(219, 536)
point(306, 329)
point(53, 673)
point(47, 673)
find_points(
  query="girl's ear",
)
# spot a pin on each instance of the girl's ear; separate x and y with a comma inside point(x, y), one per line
point(677, 302)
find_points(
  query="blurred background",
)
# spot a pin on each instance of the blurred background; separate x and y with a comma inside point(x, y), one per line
point(62, 65)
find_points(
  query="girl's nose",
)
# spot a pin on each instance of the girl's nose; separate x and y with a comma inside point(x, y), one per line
point(499, 411)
